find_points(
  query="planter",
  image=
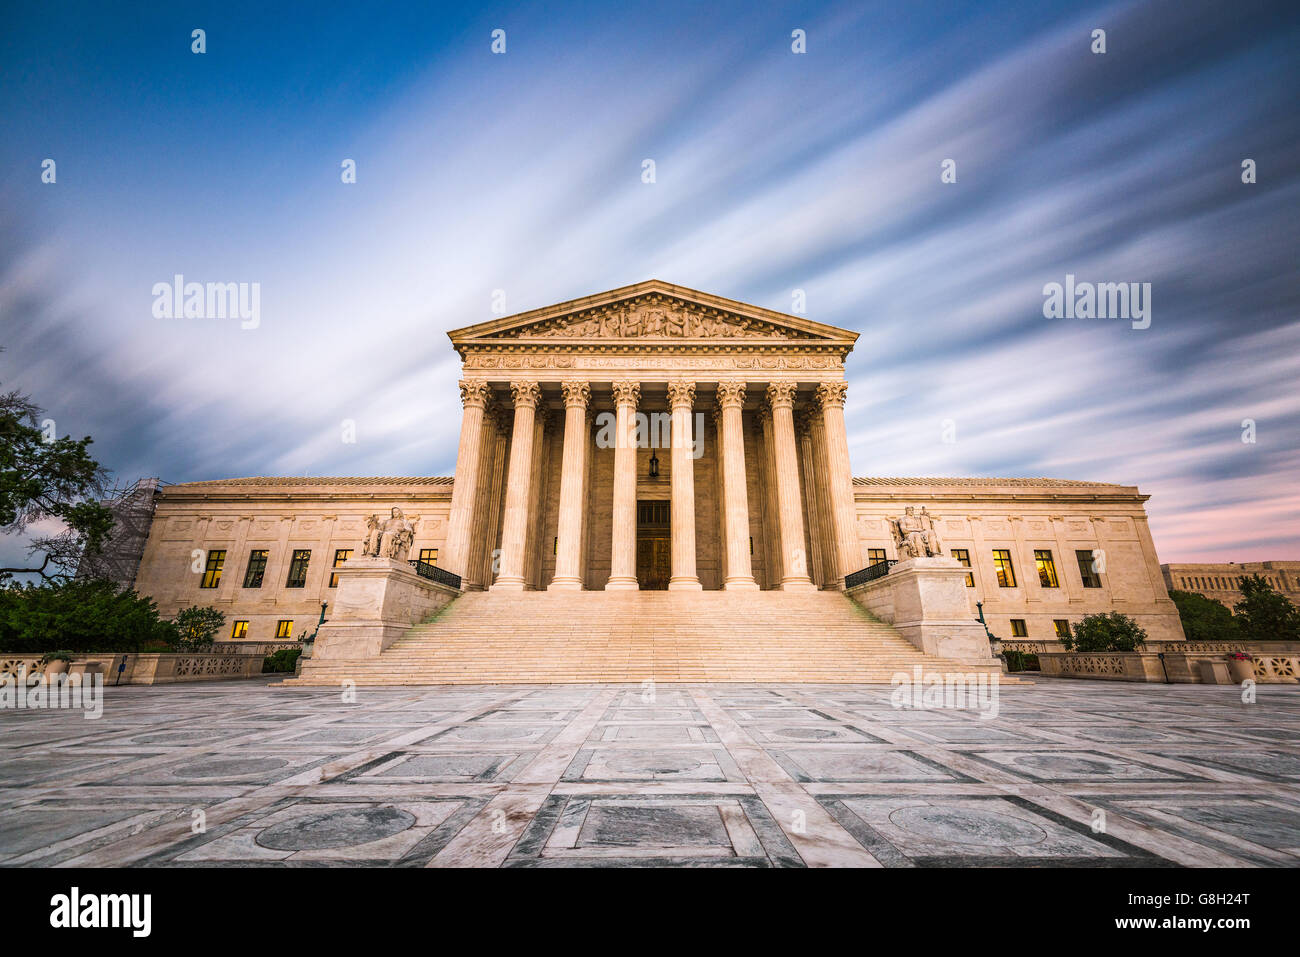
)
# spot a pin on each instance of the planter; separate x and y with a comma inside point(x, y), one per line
point(55, 667)
point(1241, 669)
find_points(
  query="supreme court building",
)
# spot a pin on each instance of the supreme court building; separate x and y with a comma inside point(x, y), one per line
point(657, 439)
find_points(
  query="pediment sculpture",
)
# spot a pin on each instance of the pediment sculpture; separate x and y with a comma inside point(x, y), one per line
point(662, 319)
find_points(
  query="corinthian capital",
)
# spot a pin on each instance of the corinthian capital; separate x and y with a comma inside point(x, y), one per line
point(681, 392)
point(831, 394)
point(627, 392)
point(474, 392)
point(576, 394)
point(781, 394)
point(731, 394)
point(526, 394)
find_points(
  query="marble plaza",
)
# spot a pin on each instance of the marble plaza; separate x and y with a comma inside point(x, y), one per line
point(782, 775)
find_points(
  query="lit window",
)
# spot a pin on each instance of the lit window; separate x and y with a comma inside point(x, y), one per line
point(256, 568)
point(1087, 569)
point(240, 630)
point(875, 556)
point(429, 556)
point(963, 555)
point(212, 571)
point(1018, 629)
point(1002, 562)
point(1046, 568)
point(284, 628)
point(1062, 628)
point(298, 568)
point(341, 555)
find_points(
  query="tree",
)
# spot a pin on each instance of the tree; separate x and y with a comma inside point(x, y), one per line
point(44, 478)
point(78, 615)
point(197, 626)
point(1205, 619)
point(1112, 632)
point(1264, 614)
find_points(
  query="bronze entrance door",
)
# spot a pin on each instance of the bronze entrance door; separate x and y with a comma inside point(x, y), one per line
point(653, 545)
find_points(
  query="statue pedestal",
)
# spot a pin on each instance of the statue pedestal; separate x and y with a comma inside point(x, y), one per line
point(928, 603)
point(378, 601)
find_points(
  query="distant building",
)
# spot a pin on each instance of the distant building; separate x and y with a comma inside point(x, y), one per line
point(1220, 581)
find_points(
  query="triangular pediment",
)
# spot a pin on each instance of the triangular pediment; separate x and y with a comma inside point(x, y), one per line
point(652, 310)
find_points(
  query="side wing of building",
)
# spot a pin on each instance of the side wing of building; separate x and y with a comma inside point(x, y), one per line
point(261, 550)
point(1043, 553)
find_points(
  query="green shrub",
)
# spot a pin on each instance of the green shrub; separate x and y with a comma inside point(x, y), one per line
point(1020, 660)
point(1111, 632)
point(196, 627)
point(1205, 619)
point(281, 661)
point(81, 615)
point(1265, 614)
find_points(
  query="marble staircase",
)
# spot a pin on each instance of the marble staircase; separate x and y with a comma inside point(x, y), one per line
point(597, 636)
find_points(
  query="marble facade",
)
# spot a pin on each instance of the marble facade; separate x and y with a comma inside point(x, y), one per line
point(750, 486)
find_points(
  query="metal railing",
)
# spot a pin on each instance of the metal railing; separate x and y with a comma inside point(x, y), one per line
point(870, 573)
point(434, 573)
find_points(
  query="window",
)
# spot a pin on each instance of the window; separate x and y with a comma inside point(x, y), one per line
point(1006, 573)
point(284, 628)
point(1018, 629)
point(240, 630)
point(256, 568)
point(963, 555)
point(212, 571)
point(341, 555)
point(875, 556)
point(298, 568)
point(1046, 568)
point(1062, 627)
point(1086, 571)
point(430, 555)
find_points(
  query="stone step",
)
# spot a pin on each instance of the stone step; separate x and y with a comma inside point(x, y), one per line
point(556, 637)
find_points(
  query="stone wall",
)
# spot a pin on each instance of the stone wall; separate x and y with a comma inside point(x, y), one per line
point(144, 669)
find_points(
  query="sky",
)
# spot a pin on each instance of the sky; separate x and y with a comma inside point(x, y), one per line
point(775, 171)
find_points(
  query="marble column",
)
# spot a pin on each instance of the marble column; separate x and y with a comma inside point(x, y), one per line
point(573, 467)
point(622, 556)
point(719, 494)
point(474, 396)
point(514, 527)
point(740, 575)
point(839, 480)
point(681, 401)
point(794, 560)
point(479, 574)
point(536, 500)
point(771, 521)
point(804, 432)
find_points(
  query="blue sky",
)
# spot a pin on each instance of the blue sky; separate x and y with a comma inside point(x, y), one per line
point(775, 171)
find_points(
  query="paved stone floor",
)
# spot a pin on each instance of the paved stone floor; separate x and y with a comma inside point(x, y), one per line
point(702, 775)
